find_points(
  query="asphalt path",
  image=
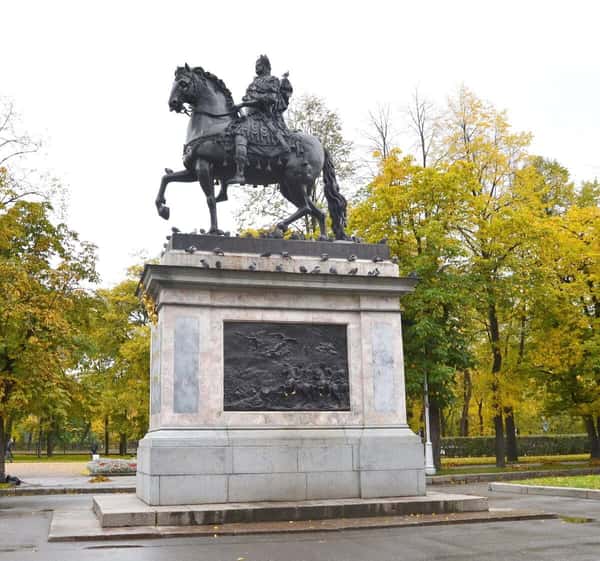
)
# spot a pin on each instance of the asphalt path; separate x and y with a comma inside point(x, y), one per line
point(24, 523)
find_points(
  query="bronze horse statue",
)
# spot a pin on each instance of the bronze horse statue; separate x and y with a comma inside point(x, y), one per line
point(208, 157)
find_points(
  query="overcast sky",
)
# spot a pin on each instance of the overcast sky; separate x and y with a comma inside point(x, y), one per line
point(92, 80)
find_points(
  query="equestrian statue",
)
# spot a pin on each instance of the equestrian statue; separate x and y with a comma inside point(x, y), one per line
point(249, 143)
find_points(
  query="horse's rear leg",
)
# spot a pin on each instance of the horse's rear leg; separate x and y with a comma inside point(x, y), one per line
point(295, 194)
point(184, 176)
point(320, 217)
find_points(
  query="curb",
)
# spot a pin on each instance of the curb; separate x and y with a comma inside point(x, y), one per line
point(506, 476)
point(30, 491)
point(431, 480)
point(519, 489)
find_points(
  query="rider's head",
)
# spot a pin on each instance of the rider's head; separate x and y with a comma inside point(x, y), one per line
point(263, 65)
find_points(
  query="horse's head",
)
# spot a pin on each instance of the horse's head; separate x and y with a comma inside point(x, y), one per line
point(196, 87)
point(184, 89)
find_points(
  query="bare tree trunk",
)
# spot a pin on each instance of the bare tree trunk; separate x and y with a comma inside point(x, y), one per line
point(88, 427)
point(122, 444)
point(380, 133)
point(51, 438)
point(467, 392)
point(40, 438)
point(2, 449)
point(480, 415)
point(9, 428)
point(435, 415)
point(422, 123)
point(592, 431)
point(106, 436)
point(494, 334)
point(512, 450)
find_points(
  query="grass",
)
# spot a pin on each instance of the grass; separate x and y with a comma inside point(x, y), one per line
point(510, 468)
point(6, 485)
point(578, 481)
point(29, 458)
point(456, 462)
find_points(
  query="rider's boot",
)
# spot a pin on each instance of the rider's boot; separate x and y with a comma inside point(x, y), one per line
point(283, 143)
point(241, 159)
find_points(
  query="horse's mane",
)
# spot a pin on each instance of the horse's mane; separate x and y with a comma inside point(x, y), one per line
point(216, 80)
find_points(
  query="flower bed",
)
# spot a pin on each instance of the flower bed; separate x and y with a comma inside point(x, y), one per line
point(108, 466)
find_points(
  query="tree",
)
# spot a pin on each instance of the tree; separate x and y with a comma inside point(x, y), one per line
point(423, 123)
point(408, 205)
point(381, 134)
point(500, 226)
point(477, 217)
point(43, 306)
point(115, 369)
point(565, 333)
point(264, 205)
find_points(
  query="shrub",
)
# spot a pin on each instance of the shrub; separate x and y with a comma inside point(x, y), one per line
point(539, 445)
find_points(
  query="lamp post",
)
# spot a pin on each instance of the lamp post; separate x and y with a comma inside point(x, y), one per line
point(429, 464)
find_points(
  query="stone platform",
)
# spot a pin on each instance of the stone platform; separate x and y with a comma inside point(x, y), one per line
point(276, 376)
point(128, 510)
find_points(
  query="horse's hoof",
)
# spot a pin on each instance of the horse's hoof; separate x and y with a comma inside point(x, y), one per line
point(281, 226)
point(216, 232)
point(164, 212)
point(323, 238)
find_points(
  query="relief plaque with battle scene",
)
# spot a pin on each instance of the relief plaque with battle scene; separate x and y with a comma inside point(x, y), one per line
point(285, 367)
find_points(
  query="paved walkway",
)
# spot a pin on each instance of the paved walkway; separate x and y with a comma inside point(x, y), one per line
point(24, 523)
point(46, 478)
point(25, 470)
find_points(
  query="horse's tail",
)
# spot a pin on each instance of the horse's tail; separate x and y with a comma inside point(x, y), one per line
point(335, 200)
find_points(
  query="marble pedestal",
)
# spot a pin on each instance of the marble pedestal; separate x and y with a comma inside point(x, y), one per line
point(197, 452)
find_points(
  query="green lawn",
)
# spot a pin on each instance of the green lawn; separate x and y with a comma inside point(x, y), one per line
point(579, 481)
point(5, 485)
point(63, 458)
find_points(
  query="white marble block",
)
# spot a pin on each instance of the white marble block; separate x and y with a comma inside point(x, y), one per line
point(196, 452)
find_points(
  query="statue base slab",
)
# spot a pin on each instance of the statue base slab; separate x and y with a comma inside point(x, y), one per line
point(291, 464)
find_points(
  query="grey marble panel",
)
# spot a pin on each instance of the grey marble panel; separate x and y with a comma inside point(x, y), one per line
point(155, 382)
point(384, 390)
point(186, 365)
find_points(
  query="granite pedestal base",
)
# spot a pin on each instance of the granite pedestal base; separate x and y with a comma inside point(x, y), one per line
point(326, 428)
point(228, 465)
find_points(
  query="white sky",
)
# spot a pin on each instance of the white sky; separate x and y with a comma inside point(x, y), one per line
point(93, 79)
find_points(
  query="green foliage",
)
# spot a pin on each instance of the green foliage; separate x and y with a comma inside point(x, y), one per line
point(486, 230)
point(114, 370)
point(409, 205)
point(43, 309)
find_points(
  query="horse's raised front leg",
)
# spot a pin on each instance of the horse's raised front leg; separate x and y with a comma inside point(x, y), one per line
point(205, 177)
point(184, 176)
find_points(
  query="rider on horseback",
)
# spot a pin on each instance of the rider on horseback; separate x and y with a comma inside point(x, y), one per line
point(267, 98)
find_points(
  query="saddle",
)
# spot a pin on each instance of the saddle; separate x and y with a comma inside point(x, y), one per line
point(261, 136)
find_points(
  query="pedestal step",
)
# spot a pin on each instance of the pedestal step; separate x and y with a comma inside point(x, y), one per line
point(128, 510)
